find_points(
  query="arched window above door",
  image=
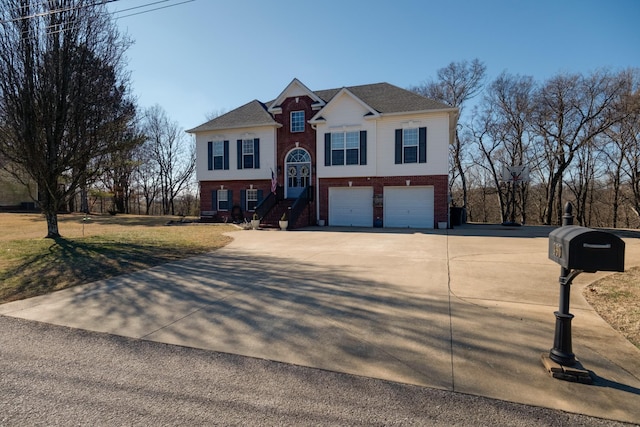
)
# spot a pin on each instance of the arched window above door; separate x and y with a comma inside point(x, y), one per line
point(298, 156)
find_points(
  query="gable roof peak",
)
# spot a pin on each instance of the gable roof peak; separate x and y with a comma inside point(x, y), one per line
point(295, 88)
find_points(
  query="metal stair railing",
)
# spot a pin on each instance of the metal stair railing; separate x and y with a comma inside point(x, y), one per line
point(298, 206)
point(265, 206)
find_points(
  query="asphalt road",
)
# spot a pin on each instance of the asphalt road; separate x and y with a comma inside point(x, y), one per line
point(53, 375)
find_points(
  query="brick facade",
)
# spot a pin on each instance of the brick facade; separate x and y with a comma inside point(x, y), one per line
point(287, 140)
point(439, 182)
point(207, 187)
point(383, 95)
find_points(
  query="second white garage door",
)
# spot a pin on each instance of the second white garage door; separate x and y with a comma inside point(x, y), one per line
point(351, 206)
point(408, 207)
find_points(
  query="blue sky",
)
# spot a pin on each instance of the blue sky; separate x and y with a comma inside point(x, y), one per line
point(209, 55)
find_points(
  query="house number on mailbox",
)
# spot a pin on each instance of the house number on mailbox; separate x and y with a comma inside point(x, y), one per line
point(557, 250)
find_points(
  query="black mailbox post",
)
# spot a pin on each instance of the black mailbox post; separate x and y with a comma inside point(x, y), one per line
point(577, 250)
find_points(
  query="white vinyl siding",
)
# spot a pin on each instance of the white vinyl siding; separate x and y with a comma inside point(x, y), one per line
point(267, 137)
point(437, 146)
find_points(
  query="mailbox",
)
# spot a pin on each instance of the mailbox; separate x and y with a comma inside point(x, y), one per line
point(581, 248)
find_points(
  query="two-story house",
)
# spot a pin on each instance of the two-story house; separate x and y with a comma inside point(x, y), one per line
point(370, 155)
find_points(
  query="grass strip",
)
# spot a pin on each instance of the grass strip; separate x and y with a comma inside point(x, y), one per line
point(31, 267)
point(616, 299)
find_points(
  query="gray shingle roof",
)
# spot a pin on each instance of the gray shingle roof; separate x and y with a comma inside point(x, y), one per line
point(251, 114)
point(385, 98)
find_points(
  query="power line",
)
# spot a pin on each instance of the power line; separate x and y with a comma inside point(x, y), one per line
point(138, 7)
point(149, 10)
point(54, 11)
point(101, 2)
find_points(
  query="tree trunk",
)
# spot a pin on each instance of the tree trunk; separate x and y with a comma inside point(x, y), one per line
point(559, 206)
point(551, 193)
point(52, 224)
point(147, 210)
point(615, 207)
point(503, 213)
point(463, 178)
point(84, 199)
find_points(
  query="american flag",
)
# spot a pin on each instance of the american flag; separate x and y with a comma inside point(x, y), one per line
point(274, 182)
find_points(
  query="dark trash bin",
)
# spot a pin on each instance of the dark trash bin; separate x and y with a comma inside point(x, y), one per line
point(458, 216)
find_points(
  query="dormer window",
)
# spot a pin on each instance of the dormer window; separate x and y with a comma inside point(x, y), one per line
point(297, 121)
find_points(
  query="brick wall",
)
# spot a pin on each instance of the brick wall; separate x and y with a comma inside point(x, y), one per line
point(287, 140)
point(206, 188)
point(439, 182)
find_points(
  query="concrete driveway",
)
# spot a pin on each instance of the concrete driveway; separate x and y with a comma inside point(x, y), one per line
point(468, 310)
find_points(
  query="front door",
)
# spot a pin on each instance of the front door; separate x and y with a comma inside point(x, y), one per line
point(298, 167)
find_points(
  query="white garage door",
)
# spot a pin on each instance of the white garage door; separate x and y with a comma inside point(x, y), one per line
point(408, 207)
point(351, 206)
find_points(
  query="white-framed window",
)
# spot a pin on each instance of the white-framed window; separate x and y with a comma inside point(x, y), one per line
point(297, 121)
point(252, 199)
point(410, 145)
point(223, 200)
point(218, 155)
point(248, 154)
point(345, 148)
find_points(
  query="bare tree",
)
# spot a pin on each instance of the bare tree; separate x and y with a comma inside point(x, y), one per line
point(622, 152)
point(145, 175)
point(456, 84)
point(572, 110)
point(503, 136)
point(215, 113)
point(171, 153)
point(582, 179)
point(62, 89)
point(626, 136)
point(483, 132)
point(119, 170)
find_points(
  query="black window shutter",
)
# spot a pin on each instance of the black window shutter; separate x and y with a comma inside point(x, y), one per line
point(422, 145)
point(256, 153)
point(230, 198)
point(259, 197)
point(210, 155)
point(225, 160)
point(239, 142)
point(327, 149)
point(243, 199)
point(214, 200)
point(398, 146)
point(363, 147)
